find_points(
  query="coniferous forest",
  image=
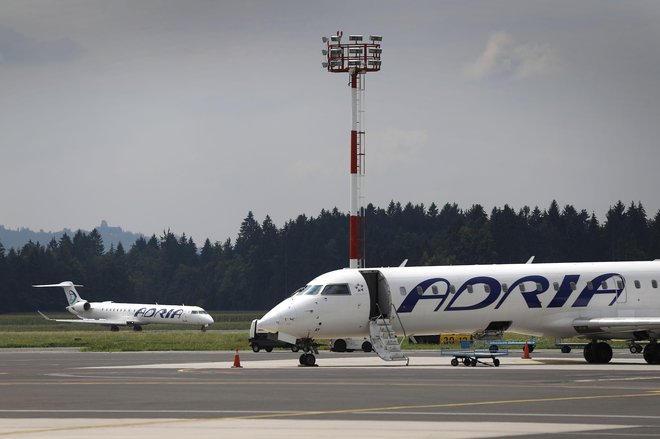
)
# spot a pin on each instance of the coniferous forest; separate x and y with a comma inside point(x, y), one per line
point(266, 263)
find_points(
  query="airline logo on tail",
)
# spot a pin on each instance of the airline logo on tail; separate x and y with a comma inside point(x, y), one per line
point(73, 297)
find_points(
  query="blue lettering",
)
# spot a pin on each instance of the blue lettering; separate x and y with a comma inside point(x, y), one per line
point(413, 296)
point(161, 312)
point(139, 312)
point(493, 294)
point(150, 312)
point(531, 297)
point(564, 291)
point(493, 290)
point(593, 288)
point(177, 314)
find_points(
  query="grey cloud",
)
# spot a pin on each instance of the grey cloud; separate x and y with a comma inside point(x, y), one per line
point(17, 49)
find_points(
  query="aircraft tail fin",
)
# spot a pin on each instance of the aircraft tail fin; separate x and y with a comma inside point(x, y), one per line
point(69, 288)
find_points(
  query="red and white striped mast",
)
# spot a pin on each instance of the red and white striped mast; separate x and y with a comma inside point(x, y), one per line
point(355, 58)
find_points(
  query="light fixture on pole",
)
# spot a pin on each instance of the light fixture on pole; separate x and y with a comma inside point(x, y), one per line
point(356, 57)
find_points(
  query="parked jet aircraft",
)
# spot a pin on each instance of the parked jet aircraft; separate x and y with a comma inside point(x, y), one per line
point(597, 301)
point(127, 314)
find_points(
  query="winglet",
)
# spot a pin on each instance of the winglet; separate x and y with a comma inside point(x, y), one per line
point(45, 316)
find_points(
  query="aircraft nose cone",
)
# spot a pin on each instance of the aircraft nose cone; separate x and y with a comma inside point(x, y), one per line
point(277, 318)
point(270, 322)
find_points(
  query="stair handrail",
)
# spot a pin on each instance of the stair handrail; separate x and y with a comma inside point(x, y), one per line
point(399, 319)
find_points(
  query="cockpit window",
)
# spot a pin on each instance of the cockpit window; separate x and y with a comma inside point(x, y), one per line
point(309, 290)
point(336, 290)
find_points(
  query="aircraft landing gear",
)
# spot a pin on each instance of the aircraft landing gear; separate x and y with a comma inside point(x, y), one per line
point(308, 346)
point(635, 348)
point(137, 328)
point(307, 360)
point(114, 328)
point(652, 353)
point(597, 352)
point(204, 328)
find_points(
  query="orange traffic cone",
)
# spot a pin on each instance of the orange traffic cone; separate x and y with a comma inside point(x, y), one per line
point(526, 351)
point(237, 361)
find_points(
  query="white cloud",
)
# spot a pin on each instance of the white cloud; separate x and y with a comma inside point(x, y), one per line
point(535, 60)
point(393, 147)
point(505, 57)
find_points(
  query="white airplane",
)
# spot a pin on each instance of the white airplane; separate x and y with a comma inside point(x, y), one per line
point(597, 301)
point(126, 314)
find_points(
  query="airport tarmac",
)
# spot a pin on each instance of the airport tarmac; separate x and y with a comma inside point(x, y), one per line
point(69, 394)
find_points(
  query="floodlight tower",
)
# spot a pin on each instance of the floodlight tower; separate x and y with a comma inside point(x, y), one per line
point(356, 58)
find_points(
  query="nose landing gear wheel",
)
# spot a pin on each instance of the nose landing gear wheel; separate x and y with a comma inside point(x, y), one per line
point(308, 360)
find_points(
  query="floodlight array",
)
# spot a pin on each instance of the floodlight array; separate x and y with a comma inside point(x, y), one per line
point(356, 55)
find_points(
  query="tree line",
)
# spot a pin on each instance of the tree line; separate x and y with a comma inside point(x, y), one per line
point(266, 263)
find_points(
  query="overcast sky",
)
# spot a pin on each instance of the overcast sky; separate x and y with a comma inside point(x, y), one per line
point(185, 115)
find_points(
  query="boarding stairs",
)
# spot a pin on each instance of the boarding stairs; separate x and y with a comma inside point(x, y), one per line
point(384, 341)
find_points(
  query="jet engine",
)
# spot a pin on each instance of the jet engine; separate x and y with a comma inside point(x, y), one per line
point(80, 307)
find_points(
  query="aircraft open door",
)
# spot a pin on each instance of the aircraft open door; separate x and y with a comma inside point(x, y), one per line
point(379, 293)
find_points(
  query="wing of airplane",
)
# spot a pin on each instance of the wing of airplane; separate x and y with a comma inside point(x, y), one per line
point(97, 321)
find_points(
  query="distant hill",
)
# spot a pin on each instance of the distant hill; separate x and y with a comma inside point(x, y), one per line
point(111, 236)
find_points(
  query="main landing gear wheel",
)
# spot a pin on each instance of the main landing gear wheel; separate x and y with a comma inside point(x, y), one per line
point(114, 328)
point(137, 328)
point(598, 353)
point(652, 353)
point(307, 360)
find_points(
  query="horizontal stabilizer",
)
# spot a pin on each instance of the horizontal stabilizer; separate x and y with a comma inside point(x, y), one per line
point(61, 285)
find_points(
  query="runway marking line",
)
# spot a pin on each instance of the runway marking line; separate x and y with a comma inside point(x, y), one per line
point(460, 404)
point(330, 412)
point(113, 381)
